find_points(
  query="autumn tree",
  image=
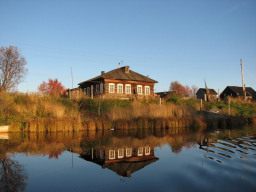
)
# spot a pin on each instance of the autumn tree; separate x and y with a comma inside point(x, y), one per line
point(177, 87)
point(180, 89)
point(53, 87)
point(12, 68)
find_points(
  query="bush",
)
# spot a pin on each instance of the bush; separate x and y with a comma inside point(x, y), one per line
point(176, 99)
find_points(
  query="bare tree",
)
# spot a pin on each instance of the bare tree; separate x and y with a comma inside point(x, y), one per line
point(12, 68)
point(194, 90)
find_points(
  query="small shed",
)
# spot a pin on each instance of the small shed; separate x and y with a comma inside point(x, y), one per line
point(202, 94)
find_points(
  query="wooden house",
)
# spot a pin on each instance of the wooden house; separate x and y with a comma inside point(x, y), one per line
point(201, 94)
point(119, 83)
point(237, 92)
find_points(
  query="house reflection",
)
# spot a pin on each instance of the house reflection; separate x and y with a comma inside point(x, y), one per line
point(123, 161)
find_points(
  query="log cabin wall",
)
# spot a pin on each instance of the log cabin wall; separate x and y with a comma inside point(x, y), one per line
point(133, 89)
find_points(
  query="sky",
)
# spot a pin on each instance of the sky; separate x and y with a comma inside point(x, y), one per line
point(168, 40)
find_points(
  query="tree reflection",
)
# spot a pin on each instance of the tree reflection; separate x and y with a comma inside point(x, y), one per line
point(12, 176)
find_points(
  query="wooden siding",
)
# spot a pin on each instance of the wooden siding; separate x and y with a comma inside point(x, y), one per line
point(106, 93)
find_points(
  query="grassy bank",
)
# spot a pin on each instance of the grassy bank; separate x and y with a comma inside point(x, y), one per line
point(35, 113)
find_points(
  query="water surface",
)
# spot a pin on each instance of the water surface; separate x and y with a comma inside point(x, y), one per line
point(131, 160)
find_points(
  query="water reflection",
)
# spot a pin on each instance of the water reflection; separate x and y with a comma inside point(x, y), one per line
point(12, 175)
point(124, 160)
point(128, 153)
point(227, 143)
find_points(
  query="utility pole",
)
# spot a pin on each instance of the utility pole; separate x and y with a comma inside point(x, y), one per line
point(243, 79)
point(72, 77)
point(70, 90)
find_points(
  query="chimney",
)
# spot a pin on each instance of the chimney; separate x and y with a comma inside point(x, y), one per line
point(102, 72)
point(126, 69)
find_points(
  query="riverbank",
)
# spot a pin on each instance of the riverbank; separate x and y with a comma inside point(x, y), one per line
point(35, 113)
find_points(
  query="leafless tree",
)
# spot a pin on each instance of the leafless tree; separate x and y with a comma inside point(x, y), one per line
point(194, 90)
point(12, 68)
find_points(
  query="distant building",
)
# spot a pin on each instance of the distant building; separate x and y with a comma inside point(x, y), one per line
point(237, 92)
point(165, 94)
point(201, 94)
point(118, 83)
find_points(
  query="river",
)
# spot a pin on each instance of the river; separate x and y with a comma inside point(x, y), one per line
point(131, 160)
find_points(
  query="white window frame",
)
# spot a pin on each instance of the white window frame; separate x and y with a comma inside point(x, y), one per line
point(109, 87)
point(147, 150)
point(112, 154)
point(128, 90)
point(139, 87)
point(140, 151)
point(147, 90)
point(120, 153)
point(128, 152)
point(118, 88)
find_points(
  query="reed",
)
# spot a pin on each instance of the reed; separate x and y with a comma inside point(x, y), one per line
point(139, 110)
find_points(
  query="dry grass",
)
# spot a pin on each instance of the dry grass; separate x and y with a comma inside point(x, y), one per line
point(139, 110)
point(30, 106)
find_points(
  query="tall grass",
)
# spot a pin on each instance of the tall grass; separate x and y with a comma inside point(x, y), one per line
point(23, 107)
point(140, 110)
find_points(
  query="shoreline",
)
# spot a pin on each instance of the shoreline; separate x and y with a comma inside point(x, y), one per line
point(203, 122)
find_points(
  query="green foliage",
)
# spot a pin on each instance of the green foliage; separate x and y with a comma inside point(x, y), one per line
point(176, 99)
point(189, 103)
point(208, 105)
point(243, 109)
point(149, 101)
point(92, 105)
point(192, 103)
point(220, 104)
point(69, 103)
point(23, 99)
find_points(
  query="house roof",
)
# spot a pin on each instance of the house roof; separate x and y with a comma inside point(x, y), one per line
point(120, 74)
point(211, 91)
point(123, 168)
point(239, 90)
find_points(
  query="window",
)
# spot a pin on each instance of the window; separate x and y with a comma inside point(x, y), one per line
point(147, 150)
point(128, 89)
point(140, 151)
point(119, 88)
point(120, 153)
point(112, 154)
point(139, 89)
point(147, 90)
point(128, 152)
point(111, 88)
point(88, 91)
point(101, 88)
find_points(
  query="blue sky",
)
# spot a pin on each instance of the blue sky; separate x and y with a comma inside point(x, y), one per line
point(183, 40)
